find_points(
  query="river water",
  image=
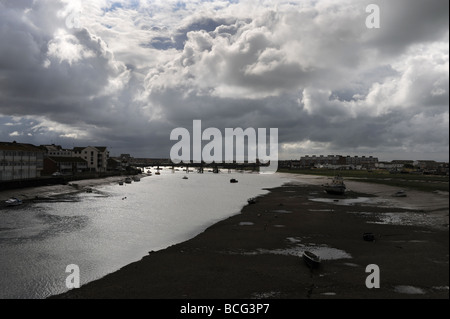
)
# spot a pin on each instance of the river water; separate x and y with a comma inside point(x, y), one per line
point(115, 225)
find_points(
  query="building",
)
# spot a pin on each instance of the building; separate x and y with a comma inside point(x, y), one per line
point(403, 163)
point(96, 157)
point(311, 161)
point(20, 161)
point(427, 165)
point(64, 165)
point(115, 164)
point(56, 151)
point(339, 161)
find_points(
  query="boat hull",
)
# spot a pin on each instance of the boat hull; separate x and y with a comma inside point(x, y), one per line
point(336, 187)
point(369, 237)
point(335, 190)
point(311, 260)
point(13, 202)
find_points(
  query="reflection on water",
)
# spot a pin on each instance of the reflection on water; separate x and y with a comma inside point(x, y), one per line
point(112, 227)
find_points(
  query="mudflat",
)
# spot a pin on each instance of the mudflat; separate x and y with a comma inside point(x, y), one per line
point(257, 254)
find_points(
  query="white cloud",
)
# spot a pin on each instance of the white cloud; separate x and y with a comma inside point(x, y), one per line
point(131, 70)
point(15, 134)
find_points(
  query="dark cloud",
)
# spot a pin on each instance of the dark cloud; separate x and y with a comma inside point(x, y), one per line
point(128, 76)
point(405, 22)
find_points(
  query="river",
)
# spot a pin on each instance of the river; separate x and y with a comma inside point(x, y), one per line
point(113, 226)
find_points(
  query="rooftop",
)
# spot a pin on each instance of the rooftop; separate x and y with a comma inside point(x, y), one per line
point(14, 146)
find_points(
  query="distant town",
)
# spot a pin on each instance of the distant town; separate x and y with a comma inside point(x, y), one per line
point(20, 161)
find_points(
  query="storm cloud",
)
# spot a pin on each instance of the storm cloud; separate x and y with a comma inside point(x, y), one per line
point(125, 74)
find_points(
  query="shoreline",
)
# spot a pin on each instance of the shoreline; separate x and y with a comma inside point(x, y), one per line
point(256, 254)
point(31, 193)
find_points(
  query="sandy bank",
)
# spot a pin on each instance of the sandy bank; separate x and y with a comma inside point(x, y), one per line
point(257, 254)
point(57, 190)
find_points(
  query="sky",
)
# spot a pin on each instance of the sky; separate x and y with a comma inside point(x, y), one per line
point(124, 74)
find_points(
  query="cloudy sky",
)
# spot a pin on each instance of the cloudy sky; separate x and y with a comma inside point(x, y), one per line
point(124, 74)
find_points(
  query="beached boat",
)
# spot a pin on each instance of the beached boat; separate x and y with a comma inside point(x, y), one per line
point(336, 187)
point(311, 259)
point(136, 178)
point(369, 237)
point(399, 194)
point(13, 202)
point(121, 183)
point(251, 201)
point(128, 180)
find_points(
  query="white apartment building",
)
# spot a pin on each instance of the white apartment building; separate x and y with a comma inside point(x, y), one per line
point(95, 156)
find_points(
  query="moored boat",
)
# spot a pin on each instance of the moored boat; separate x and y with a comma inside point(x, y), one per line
point(336, 187)
point(311, 259)
point(233, 181)
point(13, 202)
point(369, 237)
point(399, 194)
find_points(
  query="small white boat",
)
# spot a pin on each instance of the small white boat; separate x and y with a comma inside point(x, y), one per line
point(13, 202)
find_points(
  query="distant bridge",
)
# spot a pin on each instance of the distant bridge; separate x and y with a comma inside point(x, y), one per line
point(201, 167)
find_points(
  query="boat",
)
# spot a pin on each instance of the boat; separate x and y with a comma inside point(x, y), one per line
point(158, 173)
point(13, 202)
point(136, 178)
point(185, 177)
point(233, 181)
point(121, 183)
point(311, 259)
point(336, 187)
point(88, 190)
point(399, 194)
point(369, 237)
point(128, 180)
point(251, 201)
